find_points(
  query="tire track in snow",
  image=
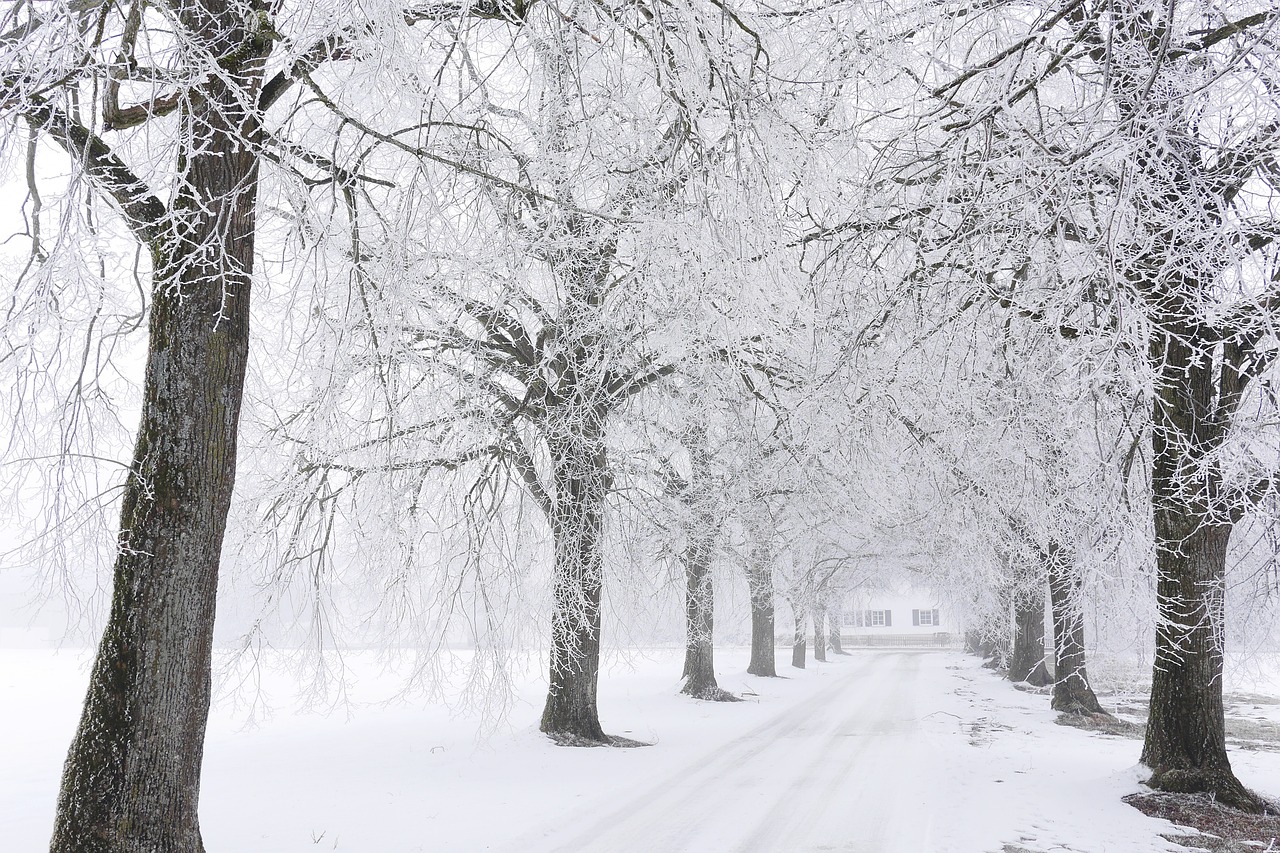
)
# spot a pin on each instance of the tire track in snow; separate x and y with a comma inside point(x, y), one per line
point(823, 775)
point(850, 797)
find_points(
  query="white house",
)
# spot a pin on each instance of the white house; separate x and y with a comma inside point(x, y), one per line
point(906, 617)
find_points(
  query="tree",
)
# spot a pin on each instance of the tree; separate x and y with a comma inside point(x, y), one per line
point(1157, 125)
point(1049, 496)
point(1072, 692)
point(760, 587)
point(1026, 661)
point(505, 334)
point(131, 778)
point(700, 497)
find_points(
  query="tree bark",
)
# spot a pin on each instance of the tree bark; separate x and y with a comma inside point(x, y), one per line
point(798, 643)
point(578, 409)
point(820, 634)
point(1028, 636)
point(578, 466)
point(1072, 693)
point(699, 664)
point(1185, 744)
point(760, 586)
point(131, 781)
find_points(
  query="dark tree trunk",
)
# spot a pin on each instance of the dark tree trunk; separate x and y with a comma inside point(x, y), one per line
point(699, 666)
point(820, 634)
point(579, 474)
point(1028, 636)
point(763, 643)
point(131, 781)
point(1071, 691)
point(1185, 744)
point(577, 416)
point(571, 712)
point(798, 642)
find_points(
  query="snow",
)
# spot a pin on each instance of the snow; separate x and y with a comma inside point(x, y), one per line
point(885, 751)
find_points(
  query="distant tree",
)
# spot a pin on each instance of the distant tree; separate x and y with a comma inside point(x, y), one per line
point(701, 496)
point(759, 569)
point(506, 334)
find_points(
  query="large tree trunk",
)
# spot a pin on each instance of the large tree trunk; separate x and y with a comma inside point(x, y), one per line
point(1185, 744)
point(798, 642)
point(579, 474)
point(131, 782)
point(576, 420)
point(760, 586)
point(1071, 691)
point(1028, 635)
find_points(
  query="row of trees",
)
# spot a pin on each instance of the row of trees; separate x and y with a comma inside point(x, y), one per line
point(545, 288)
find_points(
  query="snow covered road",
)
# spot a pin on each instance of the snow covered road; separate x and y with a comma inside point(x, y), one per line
point(845, 769)
point(878, 752)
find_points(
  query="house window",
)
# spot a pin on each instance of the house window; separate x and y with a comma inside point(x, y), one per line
point(879, 618)
point(925, 617)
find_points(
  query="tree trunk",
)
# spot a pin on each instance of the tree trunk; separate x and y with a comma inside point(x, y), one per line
point(699, 666)
point(131, 781)
point(580, 476)
point(1071, 691)
point(576, 419)
point(1028, 636)
point(820, 634)
point(760, 586)
point(834, 624)
point(1185, 744)
point(798, 643)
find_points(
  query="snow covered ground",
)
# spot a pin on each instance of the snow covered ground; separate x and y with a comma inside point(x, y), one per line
point(884, 751)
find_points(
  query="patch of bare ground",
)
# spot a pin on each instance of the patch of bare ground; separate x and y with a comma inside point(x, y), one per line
point(1028, 687)
point(1253, 735)
point(715, 694)
point(1103, 723)
point(1246, 725)
point(1222, 829)
point(563, 739)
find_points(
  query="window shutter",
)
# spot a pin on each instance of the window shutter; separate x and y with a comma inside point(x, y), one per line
point(935, 618)
point(888, 618)
point(915, 618)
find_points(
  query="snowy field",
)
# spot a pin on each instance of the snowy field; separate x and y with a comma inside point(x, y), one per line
point(881, 751)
